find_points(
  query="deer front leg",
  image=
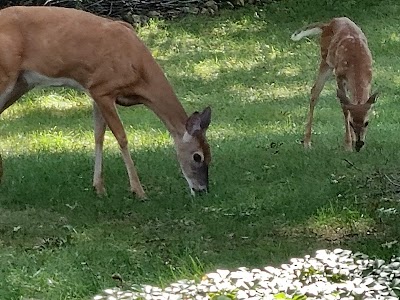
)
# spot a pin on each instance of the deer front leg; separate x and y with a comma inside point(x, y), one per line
point(348, 140)
point(341, 93)
point(324, 72)
point(108, 110)
point(99, 131)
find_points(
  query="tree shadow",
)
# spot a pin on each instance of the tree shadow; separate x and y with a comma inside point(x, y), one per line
point(264, 191)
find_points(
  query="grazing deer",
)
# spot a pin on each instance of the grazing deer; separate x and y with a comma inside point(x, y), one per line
point(344, 50)
point(53, 46)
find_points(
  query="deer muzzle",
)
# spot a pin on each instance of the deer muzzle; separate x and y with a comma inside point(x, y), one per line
point(359, 145)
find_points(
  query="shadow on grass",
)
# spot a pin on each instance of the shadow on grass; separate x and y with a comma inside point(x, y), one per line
point(279, 197)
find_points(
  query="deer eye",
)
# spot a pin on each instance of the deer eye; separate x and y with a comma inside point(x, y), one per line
point(366, 124)
point(197, 157)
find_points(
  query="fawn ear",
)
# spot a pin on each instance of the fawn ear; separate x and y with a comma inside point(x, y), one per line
point(344, 100)
point(372, 99)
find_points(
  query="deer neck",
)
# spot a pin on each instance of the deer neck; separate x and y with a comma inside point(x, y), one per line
point(170, 111)
point(161, 99)
point(359, 88)
point(356, 66)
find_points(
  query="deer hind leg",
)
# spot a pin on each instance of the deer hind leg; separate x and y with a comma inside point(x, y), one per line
point(11, 90)
point(106, 105)
point(323, 74)
point(99, 131)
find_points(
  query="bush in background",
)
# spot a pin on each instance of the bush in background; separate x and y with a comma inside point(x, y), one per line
point(139, 11)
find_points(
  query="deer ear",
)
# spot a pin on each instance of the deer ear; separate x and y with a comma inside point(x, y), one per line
point(205, 117)
point(373, 97)
point(193, 123)
point(344, 100)
point(198, 121)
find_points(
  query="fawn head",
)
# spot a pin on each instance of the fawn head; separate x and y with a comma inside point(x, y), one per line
point(357, 117)
point(193, 151)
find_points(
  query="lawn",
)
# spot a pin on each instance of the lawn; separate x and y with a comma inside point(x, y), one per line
point(269, 199)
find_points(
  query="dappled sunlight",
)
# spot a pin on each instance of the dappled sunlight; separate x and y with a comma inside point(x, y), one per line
point(337, 223)
point(333, 224)
point(55, 102)
point(59, 102)
point(210, 68)
point(206, 70)
point(395, 78)
point(390, 37)
point(269, 92)
point(232, 131)
point(266, 127)
point(290, 71)
point(232, 26)
point(52, 136)
point(273, 52)
point(60, 141)
point(395, 37)
point(230, 51)
point(53, 141)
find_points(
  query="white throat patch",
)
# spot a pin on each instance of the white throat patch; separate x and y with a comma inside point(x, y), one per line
point(187, 137)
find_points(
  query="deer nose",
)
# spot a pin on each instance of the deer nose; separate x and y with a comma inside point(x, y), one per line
point(200, 190)
point(359, 145)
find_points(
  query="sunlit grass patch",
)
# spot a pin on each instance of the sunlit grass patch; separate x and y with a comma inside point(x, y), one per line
point(334, 224)
point(338, 223)
point(55, 133)
point(268, 93)
point(60, 102)
point(206, 70)
point(57, 102)
point(57, 140)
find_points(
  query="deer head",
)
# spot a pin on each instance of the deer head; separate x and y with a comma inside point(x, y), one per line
point(357, 117)
point(193, 151)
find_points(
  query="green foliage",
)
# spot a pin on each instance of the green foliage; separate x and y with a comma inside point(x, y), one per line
point(283, 296)
point(223, 295)
point(270, 200)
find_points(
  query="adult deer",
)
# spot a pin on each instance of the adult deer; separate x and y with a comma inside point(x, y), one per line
point(344, 50)
point(52, 46)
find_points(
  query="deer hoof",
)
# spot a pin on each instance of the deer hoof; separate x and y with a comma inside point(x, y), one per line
point(143, 198)
point(307, 144)
point(140, 196)
point(100, 190)
point(139, 192)
point(348, 148)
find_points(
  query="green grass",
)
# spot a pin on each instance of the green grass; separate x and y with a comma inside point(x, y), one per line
point(270, 200)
